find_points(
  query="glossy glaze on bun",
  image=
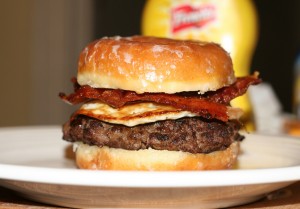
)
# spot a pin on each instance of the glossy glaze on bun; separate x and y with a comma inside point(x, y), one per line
point(105, 158)
point(156, 65)
point(148, 64)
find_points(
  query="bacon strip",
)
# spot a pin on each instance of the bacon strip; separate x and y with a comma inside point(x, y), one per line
point(226, 94)
point(209, 105)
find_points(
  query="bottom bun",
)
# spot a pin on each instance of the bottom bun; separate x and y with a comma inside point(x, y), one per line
point(105, 158)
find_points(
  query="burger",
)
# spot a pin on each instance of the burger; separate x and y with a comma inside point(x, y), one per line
point(156, 104)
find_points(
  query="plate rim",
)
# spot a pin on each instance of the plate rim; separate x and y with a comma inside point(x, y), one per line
point(54, 176)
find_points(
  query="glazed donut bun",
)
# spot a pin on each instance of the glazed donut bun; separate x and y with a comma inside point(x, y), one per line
point(155, 104)
point(149, 64)
point(105, 158)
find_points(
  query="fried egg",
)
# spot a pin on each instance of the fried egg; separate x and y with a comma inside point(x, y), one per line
point(140, 113)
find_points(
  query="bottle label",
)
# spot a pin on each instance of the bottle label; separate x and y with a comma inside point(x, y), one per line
point(184, 17)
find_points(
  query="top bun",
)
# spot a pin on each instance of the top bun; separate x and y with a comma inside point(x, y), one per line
point(150, 64)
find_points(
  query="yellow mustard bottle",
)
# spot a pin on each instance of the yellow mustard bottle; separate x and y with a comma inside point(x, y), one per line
point(231, 23)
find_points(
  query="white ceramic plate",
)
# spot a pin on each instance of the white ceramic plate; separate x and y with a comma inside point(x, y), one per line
point(35, 162)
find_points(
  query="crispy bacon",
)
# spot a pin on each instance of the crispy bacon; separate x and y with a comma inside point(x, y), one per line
point(226, 94)
point(209, 105)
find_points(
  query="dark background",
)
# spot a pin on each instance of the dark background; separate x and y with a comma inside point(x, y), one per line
point(274, 57)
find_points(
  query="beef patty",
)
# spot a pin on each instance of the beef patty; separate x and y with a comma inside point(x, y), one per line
point(194, 135)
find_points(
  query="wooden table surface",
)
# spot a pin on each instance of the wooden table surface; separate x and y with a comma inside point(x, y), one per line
point(285, 198)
